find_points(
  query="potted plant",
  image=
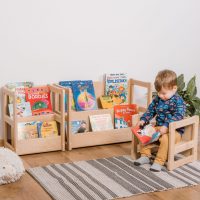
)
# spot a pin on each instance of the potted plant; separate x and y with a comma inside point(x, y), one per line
point(188, 93)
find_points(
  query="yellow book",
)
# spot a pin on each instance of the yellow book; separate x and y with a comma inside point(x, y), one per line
point(106, 101)
point(47, 129)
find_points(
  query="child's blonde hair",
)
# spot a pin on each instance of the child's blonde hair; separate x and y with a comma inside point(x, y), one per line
point(165, 79)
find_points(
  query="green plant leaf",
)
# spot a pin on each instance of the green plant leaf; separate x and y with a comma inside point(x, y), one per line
point(180, 82)
point(191, 87)
point(196, 104)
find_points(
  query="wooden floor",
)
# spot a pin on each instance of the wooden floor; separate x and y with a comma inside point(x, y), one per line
point(28, 189)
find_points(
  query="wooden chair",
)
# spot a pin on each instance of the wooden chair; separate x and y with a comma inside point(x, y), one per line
point(187, 147)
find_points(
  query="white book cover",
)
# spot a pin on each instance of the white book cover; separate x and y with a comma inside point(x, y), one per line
point(117, 87)
point(23, 109)
point(27, 130)
point(19, 88)
point(101, 122)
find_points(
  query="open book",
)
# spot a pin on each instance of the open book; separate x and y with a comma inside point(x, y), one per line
point(146, 135)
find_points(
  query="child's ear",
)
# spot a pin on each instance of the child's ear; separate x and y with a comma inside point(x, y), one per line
point(175, 87)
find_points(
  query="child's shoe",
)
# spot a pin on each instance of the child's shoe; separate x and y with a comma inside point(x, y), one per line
point(142, 160)
point(156, 167)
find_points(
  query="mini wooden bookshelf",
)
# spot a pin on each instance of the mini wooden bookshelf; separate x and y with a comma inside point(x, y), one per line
point(36, 145)
point(101, 137)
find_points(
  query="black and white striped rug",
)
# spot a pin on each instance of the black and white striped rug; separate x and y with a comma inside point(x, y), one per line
point(110, 178)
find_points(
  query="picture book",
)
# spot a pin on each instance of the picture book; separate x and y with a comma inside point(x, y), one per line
point(123, 115)
point(39, 98)
point(23, 109)
point(106, 101)
point(84, 95)
point(68, 84)
point(19, 88)
point(117, 88)
point(27, 130)
point(146, 135)
point(47, 129)
point(78, 126)
point(101, 122)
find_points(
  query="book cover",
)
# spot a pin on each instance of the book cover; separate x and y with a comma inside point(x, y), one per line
point(68, 84)
point(106, 101)
point(84, 95)
point(19, 88)
point(117, 88)
point(27, 130)
point(23, 109)
point(39, 98)
point(47, 129)
point(146, 135)
point(78, 126)
point(101, 122)
point(123, 115)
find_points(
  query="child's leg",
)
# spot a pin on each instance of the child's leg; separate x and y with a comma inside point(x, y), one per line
point(145, 152)
point(161, 155)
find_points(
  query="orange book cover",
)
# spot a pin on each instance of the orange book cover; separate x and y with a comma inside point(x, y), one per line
point(123, 115)
point(39, 98)
point(146, 135)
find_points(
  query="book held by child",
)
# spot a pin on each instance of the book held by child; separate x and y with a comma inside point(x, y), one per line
point(146, 135)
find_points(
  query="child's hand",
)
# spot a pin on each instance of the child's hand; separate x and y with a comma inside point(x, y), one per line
point(140, 123)
point(163, 130)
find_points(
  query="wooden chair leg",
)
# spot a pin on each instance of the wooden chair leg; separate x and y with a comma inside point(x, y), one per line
point(134, 148)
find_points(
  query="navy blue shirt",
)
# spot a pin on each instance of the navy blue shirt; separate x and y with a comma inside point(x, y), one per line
point(167, 111)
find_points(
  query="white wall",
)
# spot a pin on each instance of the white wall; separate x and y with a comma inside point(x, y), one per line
point(46, 41)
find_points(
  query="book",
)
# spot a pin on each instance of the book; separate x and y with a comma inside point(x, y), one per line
point(23, 109)
point(19, 88)
point(117, 87)
point(106, 101)
point(27, 130)
point(47, 129)
point(101, 122)
point(68, 84)
point(146, 135)
point(39, 98)
point(84, 95)
point(78, 126)
point(123, 115)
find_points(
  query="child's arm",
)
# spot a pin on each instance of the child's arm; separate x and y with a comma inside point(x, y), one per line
point(151, 111)
point(178, 114)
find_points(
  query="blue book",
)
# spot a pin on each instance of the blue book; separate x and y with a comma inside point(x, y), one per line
point(67, 84)
point(84, 95)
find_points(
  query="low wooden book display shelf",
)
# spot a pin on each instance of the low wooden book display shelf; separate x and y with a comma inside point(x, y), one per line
point(100, 137)
point(36, 145)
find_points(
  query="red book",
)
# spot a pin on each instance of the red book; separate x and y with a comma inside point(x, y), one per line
point(123, 115)
point(39, 98)
point(146, 135)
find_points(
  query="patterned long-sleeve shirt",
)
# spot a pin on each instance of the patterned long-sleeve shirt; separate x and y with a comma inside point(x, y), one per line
point(166, 112)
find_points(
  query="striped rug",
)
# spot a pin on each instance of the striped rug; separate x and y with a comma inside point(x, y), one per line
point(110, 178)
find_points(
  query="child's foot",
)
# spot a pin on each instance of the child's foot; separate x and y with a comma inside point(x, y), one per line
point(142, 160)
point(156, 167)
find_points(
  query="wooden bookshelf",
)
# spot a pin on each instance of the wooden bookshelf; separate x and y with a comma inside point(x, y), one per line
point(101, 137)
point(37, 145)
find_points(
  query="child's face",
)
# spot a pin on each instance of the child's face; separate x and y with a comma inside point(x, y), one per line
point(166, 93)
